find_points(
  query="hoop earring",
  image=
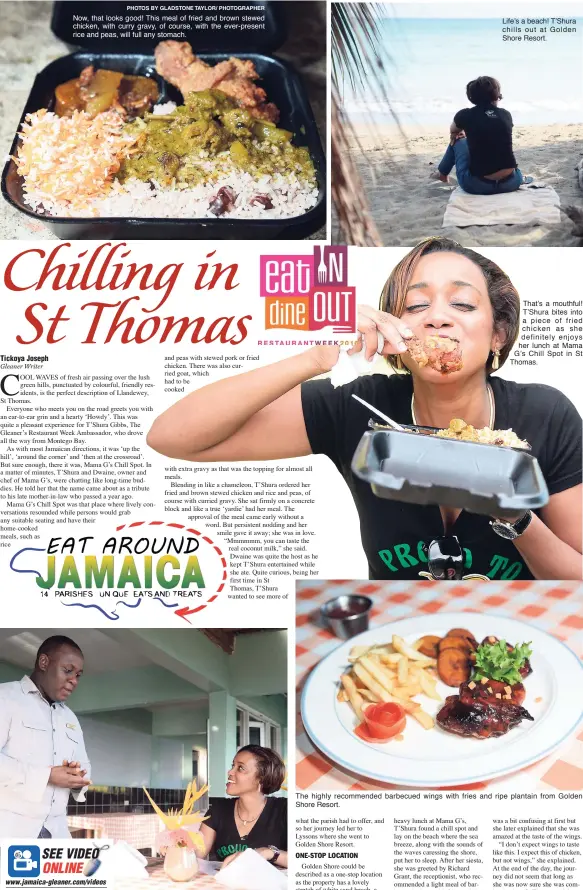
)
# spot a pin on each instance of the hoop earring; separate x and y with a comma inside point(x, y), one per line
point(398, 363)
point(495, 359)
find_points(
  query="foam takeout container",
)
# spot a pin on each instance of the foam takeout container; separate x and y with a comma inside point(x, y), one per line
point(281, 82)
point(425, 469)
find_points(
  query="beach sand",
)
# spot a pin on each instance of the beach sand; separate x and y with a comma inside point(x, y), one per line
point(407, 206)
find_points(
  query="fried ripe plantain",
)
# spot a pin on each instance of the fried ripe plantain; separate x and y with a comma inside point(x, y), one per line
point(454, 643)
point(428, 645)
point(453, 666)
point(462, 632)
point(455, 658)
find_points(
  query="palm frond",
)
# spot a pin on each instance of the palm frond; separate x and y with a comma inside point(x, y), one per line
point(348, 195)
point(360, 57)
point(361, 63)
point(356, 40)
point(348, 22)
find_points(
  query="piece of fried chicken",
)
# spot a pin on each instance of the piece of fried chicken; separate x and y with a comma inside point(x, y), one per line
point(177, 64)
point(441, 353)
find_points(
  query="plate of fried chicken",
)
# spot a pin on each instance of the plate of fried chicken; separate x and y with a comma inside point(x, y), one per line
point(482, 696)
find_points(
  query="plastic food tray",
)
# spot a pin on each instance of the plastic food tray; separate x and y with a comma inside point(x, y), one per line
point(283, 86)
point(425, 469)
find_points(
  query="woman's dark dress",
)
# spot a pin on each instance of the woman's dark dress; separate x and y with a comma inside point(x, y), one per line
point(269, 830)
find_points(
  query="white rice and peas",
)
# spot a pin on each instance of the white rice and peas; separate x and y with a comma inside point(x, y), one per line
point(69, 164)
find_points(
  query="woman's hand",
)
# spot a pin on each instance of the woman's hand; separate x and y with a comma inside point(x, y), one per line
point(269, 854)
point(372, 322)
point(454, 134)
point(325, 357)
point(266, 852)
point(230, 858)
point(510, 519)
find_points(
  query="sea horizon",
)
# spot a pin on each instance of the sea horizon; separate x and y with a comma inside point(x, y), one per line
point(432, 60)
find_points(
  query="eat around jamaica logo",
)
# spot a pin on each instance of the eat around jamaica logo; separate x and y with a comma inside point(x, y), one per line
point(168, 564)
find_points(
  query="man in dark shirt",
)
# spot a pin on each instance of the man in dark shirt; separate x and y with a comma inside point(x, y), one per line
point(481, 144)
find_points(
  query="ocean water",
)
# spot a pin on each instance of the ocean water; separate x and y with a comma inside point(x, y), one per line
point(432, 60)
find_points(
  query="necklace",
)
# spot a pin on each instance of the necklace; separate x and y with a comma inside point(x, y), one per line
point(247, 821)
point(490, 402)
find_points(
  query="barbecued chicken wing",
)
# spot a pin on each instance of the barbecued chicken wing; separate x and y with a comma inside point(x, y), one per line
point(492, 692)
point(478, 719)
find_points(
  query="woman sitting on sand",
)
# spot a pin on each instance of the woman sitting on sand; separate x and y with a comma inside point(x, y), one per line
point(480, 148)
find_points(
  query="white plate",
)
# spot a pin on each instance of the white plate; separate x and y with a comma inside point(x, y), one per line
point(436, 758)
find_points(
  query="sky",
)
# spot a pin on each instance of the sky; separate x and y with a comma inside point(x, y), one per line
point(516, 8)
point(435, 49)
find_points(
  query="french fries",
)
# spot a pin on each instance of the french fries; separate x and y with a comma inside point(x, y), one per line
point(370, 696)
point(428, 685)
point(354, 697)
point(391, 658)
point(425, 719)
point(370, 682)
point(407, 691)
point(380, 673)
point(399, 645)
point(359, 651)
point(391, 672)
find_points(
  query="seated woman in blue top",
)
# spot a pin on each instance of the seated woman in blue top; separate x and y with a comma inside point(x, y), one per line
point(480, 147)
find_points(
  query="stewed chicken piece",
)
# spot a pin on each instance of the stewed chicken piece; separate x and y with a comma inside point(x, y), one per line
point(177, 64)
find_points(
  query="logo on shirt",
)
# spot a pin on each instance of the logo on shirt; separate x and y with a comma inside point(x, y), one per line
point(229, 849)
point(405, 556)
point(490, 113)
point(24, 862)
point(308, 293)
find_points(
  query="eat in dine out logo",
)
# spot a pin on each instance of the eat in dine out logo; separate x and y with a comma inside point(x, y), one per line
point(308, 293)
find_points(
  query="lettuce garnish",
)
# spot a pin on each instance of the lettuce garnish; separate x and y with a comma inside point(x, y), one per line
point(496, 662)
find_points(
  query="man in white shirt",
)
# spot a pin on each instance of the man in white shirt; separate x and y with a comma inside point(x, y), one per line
point(42, 753)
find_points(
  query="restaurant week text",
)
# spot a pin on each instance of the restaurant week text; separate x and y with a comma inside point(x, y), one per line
point(108, 268)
